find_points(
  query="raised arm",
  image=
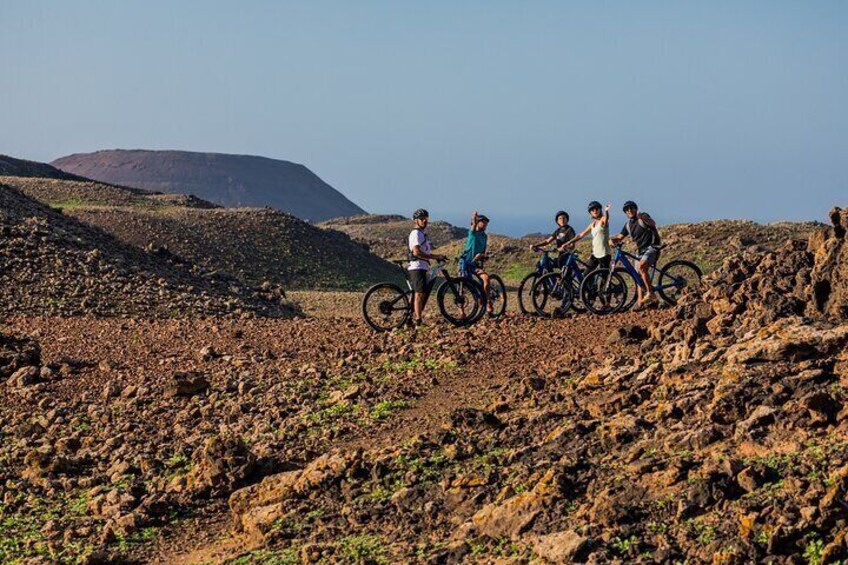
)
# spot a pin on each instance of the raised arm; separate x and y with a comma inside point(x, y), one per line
point(605, 218)
point(647, 220)
point(474, 221)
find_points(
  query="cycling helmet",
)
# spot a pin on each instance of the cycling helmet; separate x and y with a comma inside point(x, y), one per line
point(629, 204)
point(420, 213)
point(561, 213)
point(594, 204)
point(482, 218)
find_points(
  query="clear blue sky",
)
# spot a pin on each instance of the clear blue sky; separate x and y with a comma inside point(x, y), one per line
point(696, 110)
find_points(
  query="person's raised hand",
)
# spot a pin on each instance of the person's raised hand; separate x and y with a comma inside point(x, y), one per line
point(607, 207)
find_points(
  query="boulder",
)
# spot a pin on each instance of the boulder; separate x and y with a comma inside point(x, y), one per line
point(219, 467)
point(186, 384)
point(562, 547)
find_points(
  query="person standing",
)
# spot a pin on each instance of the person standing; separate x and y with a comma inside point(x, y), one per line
point(476, 246)
point(420, 255)
point(642, 229)
point(599, 228)
point(561, 237)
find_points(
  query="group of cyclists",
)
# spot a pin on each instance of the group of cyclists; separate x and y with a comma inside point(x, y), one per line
point(640, 227)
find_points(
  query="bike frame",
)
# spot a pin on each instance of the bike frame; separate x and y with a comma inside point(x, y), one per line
point(627, 260)
point(623, 258)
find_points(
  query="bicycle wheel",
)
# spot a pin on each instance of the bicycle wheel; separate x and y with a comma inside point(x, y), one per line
point(496, 296)
point(678, 277)
point(603, 292)
point(385, 307)
point(551, 296)
point(576, 303)
point(631, 289)
point(525, 302)
point(461, 301)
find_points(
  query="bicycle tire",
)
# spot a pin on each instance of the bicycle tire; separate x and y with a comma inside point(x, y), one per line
point(549, 294)
point(610, 299)
point(576, 303)
point(496, 295)
point(386, 306)
point(630, 301)
point(526, 286)
point(475, 297)
point(688, 271)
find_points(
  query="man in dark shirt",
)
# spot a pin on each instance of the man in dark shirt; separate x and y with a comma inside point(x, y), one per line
point(561, 237)
point(643, 230)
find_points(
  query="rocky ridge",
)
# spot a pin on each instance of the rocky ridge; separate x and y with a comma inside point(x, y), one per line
point(53, 264)
point(257, 246)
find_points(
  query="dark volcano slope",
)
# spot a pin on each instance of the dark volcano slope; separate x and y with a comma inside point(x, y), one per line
point(229, 180)
point(256, 245)
point(51, 264)
point(9, 166)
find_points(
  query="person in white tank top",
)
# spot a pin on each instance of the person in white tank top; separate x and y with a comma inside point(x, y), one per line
point(599, 228)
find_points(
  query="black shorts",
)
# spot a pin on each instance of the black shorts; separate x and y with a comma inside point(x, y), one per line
point(593, 263)
point(418, 280)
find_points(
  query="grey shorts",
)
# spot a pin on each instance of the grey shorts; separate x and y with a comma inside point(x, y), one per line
point(418, 280)
point(650, 256)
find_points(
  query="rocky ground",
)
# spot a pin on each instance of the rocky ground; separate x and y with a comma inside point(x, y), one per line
point(714, 432)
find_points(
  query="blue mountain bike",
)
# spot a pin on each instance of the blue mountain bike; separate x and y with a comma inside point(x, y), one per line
point(606, 291)
point(544, 266)
point(554, 293)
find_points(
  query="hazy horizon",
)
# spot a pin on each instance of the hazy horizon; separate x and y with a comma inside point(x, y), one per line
point(696, 111)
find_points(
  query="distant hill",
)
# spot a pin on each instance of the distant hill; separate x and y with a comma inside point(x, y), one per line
point(228, 180)
point(256, 245)
point(9, 166)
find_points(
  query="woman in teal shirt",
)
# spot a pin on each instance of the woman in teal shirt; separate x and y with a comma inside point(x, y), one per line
point(475, 251)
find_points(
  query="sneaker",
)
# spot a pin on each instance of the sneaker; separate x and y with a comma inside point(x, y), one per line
point(647, 303)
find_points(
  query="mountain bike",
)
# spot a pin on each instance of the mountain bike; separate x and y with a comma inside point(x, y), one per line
point(544, 266)
point(556, 292)
point(496, 295)
point(605, 291)
point(386, 306)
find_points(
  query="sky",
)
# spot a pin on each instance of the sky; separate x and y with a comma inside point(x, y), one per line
point(696, 110)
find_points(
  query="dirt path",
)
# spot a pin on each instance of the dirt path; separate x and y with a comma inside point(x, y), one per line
point(508, 352)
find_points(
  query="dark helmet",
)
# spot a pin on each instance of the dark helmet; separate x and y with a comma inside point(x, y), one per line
point(482, 218)
point(629, 204)
point(561, 213)
point(420, 213)
point(594, 204)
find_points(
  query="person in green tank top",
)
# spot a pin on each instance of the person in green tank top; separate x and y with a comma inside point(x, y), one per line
point(476, 245)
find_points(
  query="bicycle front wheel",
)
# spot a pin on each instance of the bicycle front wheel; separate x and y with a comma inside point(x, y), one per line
point(631, 287)
point(603, 292)
point(677, 278)
point(461, 301)
point(552, 297)
point(385, 307)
